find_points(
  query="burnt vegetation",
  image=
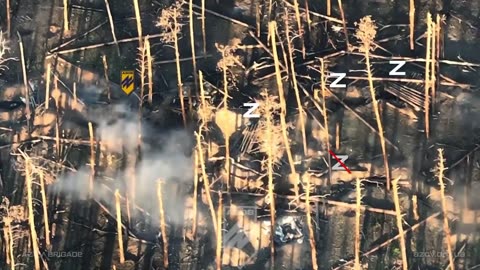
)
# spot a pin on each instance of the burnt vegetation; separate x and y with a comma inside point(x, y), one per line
point(176, 176)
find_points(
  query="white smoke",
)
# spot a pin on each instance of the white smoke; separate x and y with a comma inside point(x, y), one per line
point(118, 131)
point(167, 158)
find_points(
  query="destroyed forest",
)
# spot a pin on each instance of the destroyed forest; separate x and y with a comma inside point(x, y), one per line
point(239, 134)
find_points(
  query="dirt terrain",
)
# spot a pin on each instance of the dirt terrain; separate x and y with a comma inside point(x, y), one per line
point(381, 173)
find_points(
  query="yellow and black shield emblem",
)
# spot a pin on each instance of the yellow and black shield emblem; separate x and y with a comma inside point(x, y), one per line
point(128, 81)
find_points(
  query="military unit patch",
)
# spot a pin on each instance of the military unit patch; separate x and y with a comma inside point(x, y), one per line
point(127, 80)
